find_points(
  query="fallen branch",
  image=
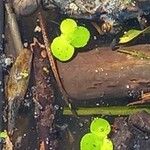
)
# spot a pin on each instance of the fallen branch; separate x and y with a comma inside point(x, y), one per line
point(103, 73)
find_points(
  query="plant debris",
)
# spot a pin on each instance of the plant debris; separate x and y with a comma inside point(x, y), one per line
point(43, 95)
point(17, 85)
point(132, 34)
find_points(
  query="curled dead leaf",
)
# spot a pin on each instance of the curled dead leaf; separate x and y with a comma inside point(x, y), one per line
point(17, 84)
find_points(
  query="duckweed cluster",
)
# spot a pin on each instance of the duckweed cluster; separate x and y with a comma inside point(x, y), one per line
point(72, 36)
point(97, 138)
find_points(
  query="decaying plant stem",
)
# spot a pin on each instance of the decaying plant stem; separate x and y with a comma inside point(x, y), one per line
point(136, 54)
point(112, 110)
point(13, 27)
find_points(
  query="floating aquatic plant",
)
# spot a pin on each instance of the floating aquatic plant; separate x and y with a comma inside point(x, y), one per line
point(107, 144)
point(72, 36)
point(80, 37)
point(67, 26)
point(100, 127)
point(90, 141)
point(61, 49)
point(97, 138)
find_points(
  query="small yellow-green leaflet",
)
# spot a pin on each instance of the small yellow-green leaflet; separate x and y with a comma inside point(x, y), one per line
point(3, 134)
point(131, 34)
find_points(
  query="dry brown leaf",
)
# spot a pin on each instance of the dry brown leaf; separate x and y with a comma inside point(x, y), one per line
point(18, 83)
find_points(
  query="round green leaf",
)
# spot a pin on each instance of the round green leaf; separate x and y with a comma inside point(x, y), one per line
point(100, 127)
point(68, 26)
point(61, 49)
point(90, 141)
point(107, 144)
point(79, 37)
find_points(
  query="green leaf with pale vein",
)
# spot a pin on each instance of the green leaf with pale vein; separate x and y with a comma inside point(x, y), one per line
point(132, 34)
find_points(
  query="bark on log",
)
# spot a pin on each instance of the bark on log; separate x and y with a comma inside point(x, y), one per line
point(103, 73)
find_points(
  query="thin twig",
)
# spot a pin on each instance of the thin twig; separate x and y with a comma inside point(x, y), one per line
point(134, 53)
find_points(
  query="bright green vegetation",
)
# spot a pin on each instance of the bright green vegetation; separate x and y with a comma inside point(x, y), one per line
point(90, 141)
point(80, 37)
point(107, 144)
point(100, 127)
point(61, 49)
point(72, 36)
point(68, 26)
point(97, 138)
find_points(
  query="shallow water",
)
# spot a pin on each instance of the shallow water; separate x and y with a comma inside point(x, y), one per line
point(70, 129)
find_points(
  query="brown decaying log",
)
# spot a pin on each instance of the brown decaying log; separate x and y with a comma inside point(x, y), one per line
point(103, 73)
point(43, 96)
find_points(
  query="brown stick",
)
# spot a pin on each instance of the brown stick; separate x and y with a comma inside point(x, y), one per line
point(43, 96)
